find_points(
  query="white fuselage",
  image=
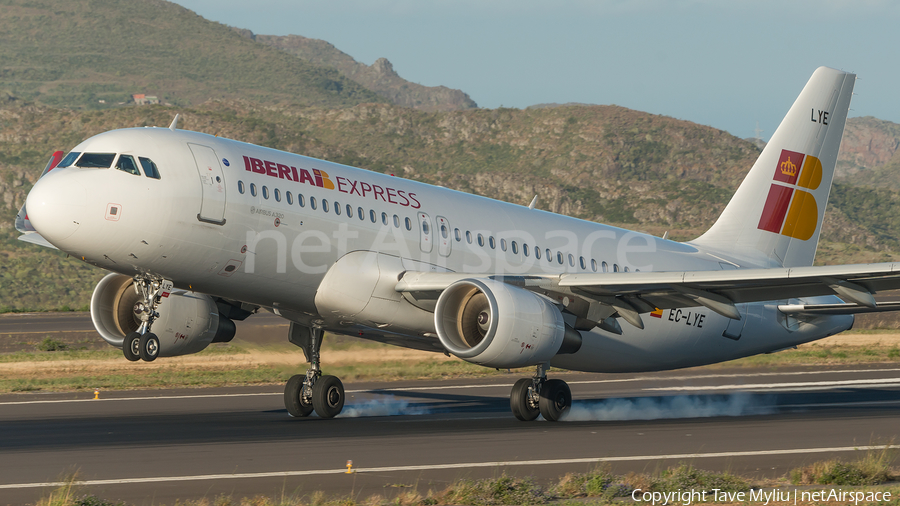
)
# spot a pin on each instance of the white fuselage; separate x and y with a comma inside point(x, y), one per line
point(241, 237)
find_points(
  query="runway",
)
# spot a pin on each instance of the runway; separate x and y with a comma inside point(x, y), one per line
point(153, 447)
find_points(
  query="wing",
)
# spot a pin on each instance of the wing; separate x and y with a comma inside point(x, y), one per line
point(595, 297)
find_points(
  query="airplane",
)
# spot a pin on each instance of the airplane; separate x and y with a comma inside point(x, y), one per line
point(198, 231)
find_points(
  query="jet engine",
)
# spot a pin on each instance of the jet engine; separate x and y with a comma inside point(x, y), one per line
point(188, 321)
point(494, 324)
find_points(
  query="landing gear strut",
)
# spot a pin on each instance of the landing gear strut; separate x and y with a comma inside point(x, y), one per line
point(142, 344)
point(537, 395)
point(313, 391)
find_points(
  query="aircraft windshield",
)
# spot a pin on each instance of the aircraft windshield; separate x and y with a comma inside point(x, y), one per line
point(150, 169)
point(126, 164)
point(95, 160)
point(68, 160)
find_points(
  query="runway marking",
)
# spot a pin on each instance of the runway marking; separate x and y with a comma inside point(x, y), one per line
point(433, 467)
point(758, 386)
point(798, 385)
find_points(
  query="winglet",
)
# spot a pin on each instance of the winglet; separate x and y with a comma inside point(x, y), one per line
point(533, 202)
point(174, 124)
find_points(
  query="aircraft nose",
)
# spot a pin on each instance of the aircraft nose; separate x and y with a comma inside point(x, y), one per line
point(56, 206)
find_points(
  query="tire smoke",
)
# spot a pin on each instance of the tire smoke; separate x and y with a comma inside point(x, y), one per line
point(682, 406)
point(387, 406)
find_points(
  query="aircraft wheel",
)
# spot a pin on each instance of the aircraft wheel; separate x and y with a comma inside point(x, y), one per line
point(556, 399)
point(293, 397)
point(328, 396)
point(518, 401)
point(149, 347)
point(131, 347)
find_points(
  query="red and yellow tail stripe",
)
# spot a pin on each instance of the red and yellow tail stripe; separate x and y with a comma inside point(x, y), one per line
point(789, 210)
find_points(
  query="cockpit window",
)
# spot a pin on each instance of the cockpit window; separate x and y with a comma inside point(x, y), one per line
point(126, 163)
point(68, 160)
point(150, 169)
point(95, 160)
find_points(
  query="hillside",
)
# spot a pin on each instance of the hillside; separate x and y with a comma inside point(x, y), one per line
point(870, 154)
point(603, 163)
point(92, 54)
point(379, 77)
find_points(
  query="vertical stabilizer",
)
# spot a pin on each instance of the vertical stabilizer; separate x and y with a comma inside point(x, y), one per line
point(775, 217)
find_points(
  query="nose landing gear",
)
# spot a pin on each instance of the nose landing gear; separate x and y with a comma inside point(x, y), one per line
point(143, 344)
point(537, 395)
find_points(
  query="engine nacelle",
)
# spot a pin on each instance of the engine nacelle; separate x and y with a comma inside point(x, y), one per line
point(188, 321)
point(494, 324)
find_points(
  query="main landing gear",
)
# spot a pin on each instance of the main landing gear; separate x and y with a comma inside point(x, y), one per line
point(537, 395)
point(313, 391)
point(143, 344)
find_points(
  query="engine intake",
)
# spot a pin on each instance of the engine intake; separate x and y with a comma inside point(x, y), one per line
point(188, 321)
point(494, 324)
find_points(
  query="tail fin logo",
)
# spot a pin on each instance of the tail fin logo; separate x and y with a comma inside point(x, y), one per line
point(789, 210)
point(788, 168)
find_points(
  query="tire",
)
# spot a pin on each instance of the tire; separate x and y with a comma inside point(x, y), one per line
point(131, 347)
point(293, 400)
point(556, 399)
point(518, 401)
point(149, 347)
point(328, 396)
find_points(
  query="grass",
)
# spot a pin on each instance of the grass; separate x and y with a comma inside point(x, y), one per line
point(235, 364)
point(596, 486)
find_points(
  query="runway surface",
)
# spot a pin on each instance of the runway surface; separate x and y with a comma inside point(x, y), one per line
point(153, 447)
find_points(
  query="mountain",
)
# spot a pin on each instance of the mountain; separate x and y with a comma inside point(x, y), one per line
point(97, 54)
point(870, 153)
point(380, 77)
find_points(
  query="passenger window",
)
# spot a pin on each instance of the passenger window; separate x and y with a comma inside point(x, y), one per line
point(277, 195)
point(396, 221)
point(615, 267)
point(408, 224)
point(468, 237)
point(290, 198)
point(65, 162)
point(444, 231)
point(301, 200)
point(537, 252)
point(241, 187)
point(324, 205)
point(312, 203)
point(337, 208)
point(253, 189)
point(503, 244)
point(605, 267)
point(491, 242)
point(266, 192)
point(96, 160)
point(372, 216)
point(481, 240)
point(581, 262)
point(384, 219)
point(549, 255)
point(150, 169)
point(559, 257)
point(525, 249)
point(626, 269)
point(593, 265)
point(349, 211)
point(515, 248)
point(457, 234)
point(571, 260)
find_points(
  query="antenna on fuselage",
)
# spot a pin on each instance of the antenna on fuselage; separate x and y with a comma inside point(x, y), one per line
point(174, 124)
point(533, 202)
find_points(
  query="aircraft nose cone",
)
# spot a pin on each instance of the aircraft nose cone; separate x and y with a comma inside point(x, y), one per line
point(56, 206)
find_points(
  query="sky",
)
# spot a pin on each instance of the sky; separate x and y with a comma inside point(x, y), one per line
point(731, 64)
